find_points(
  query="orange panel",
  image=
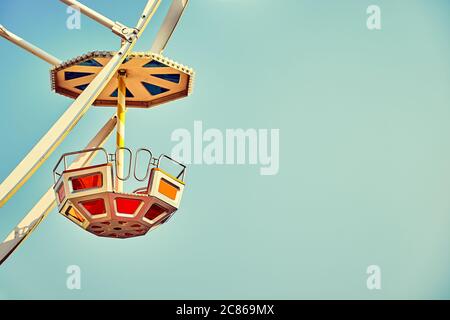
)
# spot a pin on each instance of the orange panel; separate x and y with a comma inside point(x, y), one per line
point(168, 189)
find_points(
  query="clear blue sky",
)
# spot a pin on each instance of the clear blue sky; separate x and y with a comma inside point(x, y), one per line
point(364, 119)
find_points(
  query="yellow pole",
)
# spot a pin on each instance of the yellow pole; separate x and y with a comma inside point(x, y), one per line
point(121, 117)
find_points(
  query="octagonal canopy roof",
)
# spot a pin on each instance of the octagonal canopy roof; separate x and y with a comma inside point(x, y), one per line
point(151, 79)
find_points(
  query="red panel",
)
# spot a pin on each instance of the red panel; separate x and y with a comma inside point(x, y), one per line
point(154, 212)
point(61, 193)
point(128, 206)
point(94, 207)
point(89, 181)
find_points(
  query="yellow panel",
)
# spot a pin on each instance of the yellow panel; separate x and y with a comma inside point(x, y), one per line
point(75, 214)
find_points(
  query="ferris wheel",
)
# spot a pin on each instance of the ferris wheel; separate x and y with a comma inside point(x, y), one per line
point(92, 195)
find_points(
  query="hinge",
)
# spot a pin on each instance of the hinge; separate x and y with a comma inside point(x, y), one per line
point(126, 33)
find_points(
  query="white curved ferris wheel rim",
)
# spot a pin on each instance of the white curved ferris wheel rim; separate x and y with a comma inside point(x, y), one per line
point(169, 25)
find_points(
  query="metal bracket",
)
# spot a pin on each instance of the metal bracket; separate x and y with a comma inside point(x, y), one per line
point(155, 162)
point(122, 73)
point(126, 33)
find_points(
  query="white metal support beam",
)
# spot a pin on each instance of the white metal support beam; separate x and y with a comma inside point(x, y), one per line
point(48, 202)
point(8, 35)
point(147, 14)
point(174, 15)
point(116, 27)
point(90, 13)
point(51, 140)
